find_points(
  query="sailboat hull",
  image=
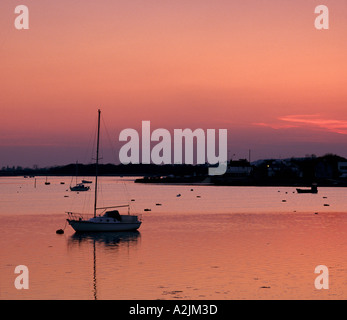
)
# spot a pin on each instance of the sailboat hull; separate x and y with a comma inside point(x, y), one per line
point(89, 226)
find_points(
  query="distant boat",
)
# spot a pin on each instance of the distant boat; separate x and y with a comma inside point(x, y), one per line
point(110, 220)
point(79, 187)
point(47, 183)
point(87, 181)
point(314, 189)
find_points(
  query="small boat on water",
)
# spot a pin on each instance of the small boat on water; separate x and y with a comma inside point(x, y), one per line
point(314, 189)
point(47, 183)
point(87, 181)
point(107, 220)
point(79, 187)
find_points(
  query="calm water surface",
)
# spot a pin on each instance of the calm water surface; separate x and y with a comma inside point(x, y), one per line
point(209, 243)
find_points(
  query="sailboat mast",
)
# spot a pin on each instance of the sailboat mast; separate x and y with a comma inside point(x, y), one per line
point(96, 164)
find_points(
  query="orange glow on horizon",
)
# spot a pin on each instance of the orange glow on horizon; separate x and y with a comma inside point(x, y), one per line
point(177, 64)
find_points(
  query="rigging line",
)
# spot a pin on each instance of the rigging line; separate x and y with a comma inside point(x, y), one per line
point(74, 202)
point(86, 195)
point(127, 194)
point(113, 147)
point(92, 140)
point(100, 191)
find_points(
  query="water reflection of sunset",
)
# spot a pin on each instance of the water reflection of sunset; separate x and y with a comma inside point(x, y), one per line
point(232, 243)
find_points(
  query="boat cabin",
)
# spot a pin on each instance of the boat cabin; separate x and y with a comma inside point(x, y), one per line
point(114, 214)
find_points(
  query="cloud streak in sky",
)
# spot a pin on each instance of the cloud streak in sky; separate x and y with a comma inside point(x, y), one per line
point(310, 121)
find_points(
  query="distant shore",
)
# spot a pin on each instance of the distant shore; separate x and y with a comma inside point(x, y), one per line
point(327, 171)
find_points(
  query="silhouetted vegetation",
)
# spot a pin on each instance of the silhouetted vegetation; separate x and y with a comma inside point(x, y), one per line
point(327, 170)
point(106, 170)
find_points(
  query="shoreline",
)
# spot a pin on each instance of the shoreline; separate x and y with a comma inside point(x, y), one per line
point(198, 181)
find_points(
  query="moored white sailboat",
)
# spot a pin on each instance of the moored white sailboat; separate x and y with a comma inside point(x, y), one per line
point(108, 220)
point(79, 186)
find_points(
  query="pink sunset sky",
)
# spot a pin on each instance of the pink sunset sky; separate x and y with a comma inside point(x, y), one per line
point(257, 68)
